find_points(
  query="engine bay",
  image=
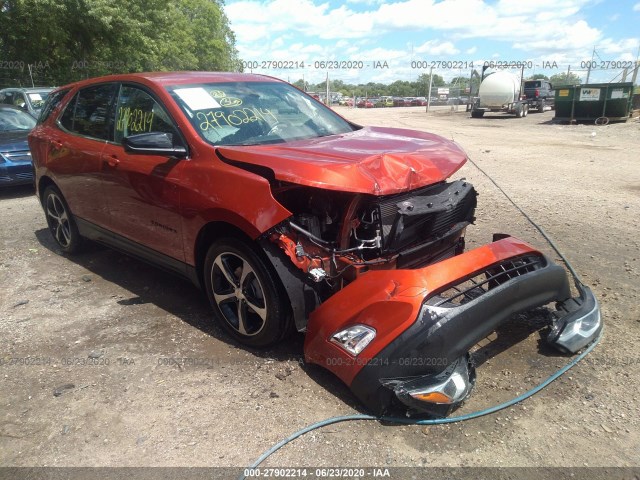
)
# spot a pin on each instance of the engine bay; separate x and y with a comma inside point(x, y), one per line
point(334, 237)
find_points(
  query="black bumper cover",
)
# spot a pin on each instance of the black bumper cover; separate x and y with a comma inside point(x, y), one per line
point(440, 337)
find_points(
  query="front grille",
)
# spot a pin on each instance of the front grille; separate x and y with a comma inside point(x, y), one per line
point(423, 216)
point(18, 156)
point(478, 284)
point(24, 176)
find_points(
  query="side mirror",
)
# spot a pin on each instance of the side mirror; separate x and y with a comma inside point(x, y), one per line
point(153, 143)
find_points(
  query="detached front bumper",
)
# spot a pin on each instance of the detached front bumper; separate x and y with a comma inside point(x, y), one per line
point(424, 322)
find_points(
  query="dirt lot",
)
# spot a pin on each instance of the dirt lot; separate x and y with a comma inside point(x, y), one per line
point(109, 362)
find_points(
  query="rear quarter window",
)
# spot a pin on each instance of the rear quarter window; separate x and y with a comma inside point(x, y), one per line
point(50, 104)
point(90, 112)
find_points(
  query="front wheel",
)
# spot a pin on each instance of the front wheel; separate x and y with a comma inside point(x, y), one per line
point(246, 295)
point(61, 223)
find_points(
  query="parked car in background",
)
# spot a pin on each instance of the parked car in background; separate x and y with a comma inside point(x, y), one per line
point(419, 102)
point(290, 216)
point(15, 159)
point(379, 102)
point(387, 101)
point(539, 94)
point(30, 100)
point(366, 103)
point(455, 101)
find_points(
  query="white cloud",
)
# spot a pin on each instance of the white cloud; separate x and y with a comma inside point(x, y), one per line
point(309, 30)
point(366, 2)
point(509, 20)
point(578, 36)
point(437, 48)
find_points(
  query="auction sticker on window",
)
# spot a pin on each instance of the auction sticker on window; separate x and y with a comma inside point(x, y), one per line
point(589, 94)
point(197, 98)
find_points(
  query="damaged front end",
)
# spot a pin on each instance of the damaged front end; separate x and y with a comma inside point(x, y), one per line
point(392, 304)
point(424, 321)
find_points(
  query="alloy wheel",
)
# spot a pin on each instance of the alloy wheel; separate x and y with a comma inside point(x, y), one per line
point(238, 293)
point(58, 220)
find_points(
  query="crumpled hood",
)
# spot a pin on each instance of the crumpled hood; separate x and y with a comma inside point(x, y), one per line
point(374, 160)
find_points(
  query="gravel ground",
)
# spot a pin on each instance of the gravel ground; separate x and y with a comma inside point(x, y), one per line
point(109, 362)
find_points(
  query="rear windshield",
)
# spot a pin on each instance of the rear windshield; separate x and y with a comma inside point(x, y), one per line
point(532, 84)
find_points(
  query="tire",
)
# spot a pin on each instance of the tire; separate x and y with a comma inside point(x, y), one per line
point(525, 109)
point(246, 295)
point(541, 105)
point(477, 113)
point(61, 223)
point(519, 110)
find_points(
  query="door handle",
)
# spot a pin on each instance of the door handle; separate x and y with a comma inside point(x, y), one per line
point(113, 161)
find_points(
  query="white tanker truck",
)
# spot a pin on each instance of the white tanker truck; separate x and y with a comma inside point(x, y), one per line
point(500, 92)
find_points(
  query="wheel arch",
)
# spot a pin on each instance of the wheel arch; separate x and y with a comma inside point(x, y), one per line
point(43, 183)
point(302, 296)
point(207, 235)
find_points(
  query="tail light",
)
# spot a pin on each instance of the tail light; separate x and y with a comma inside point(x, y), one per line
point(537, 92)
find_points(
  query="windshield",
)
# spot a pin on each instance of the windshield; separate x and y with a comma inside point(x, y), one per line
point(13, 119)
point(37, 99)
point(255, 113)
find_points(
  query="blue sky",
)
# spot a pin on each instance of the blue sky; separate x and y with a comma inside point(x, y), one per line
point(549, 35)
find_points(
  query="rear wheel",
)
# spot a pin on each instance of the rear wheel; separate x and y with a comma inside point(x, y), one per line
point(61, 223)
point(541, 105)
point(525, 110)
point(247, 297)
point(519, 110)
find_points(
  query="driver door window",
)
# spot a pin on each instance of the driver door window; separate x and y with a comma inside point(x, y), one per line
point(137, 112)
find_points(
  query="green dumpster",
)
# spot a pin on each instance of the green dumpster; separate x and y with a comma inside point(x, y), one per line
point(595, 102)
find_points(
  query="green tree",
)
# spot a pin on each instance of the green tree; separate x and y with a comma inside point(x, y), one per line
point(564, 79)
point(538, 76)
point(68, 40)
point(461, 82)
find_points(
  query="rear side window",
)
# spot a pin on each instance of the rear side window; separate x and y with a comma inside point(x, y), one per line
point(90, 112)
point(138, 112)
point(51, 103)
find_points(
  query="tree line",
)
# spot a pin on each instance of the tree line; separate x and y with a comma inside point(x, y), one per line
point(53, 42)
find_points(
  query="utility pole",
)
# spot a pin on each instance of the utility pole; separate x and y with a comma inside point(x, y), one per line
point(635, 73)
point(328, 101)
point(31, 75)
point(430, 83)
point(590, 63)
